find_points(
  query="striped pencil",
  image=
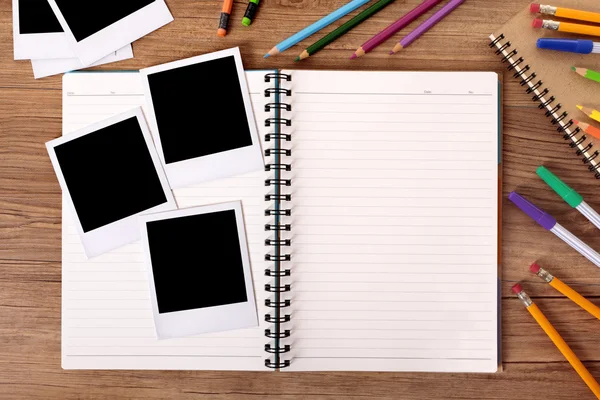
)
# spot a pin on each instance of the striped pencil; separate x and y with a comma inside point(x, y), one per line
point(315, 27)
point(558, 341)
point(568, 13)
point(590, 30)
point(427, 25)
point(341, 30)
point(587, 128)
point(588, 73)
point(401, 23)
point(566, 290)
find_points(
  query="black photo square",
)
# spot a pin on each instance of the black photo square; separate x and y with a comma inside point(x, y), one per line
point(197, 261)
point(199, 109)
point(86, 18)
point(36, 16)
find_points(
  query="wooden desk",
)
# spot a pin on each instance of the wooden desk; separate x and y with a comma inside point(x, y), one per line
point(30, 219)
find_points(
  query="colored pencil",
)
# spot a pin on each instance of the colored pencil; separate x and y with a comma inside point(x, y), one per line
point(566, 290)
point(558, 341)
point(225, 13)
point(427, 25)
point(344, 28)
point(315, 27)
point(568, 13)
point(250, 12)
point(569, 27)
point(579, 46)
point(569, 195)
point(587, 128)
point(401, 23)
point(590, 112)
point(587, 73)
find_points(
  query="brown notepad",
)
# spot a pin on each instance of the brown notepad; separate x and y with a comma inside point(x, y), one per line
point(546, 76)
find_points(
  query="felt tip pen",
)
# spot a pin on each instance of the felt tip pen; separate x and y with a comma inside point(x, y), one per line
point(579, 46)
point(569, 195)
point(548, 222)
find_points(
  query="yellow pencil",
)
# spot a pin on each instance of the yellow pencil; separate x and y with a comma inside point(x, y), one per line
point(568, 13)
point(590, 30)
point(566, 290)
point(590, 112)
point(558, 341)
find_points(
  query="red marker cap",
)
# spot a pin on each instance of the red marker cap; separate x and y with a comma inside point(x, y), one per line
point(534, 268)
point(517, 288)
point(534, 8)
point(537, 23)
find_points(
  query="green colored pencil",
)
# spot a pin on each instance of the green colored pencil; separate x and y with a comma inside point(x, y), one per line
point(587, 73)
point(318, 45)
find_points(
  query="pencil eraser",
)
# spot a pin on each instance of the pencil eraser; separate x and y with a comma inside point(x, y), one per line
point(517, 288)
point(221, 32)
point(534, 8)
point(537, 23)
point(534, 268)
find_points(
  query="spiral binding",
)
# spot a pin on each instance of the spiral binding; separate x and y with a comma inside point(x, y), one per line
point(565, 124)
point(276, 164)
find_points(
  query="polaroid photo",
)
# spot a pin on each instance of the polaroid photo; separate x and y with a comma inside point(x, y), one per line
point(37, 34)
point(201, 118)
point(44, 68)
point(110, 173)
point(199, 270)
point(95, 29)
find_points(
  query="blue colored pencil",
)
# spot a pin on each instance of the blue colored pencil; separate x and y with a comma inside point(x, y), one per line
point(317, 26)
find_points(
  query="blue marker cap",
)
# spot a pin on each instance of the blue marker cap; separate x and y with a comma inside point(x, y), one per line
point(568, 45)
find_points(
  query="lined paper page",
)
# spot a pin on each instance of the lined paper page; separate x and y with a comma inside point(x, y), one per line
point(395, 227)
point(107, 318)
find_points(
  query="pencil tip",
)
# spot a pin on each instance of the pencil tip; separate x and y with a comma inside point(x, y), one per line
point(391, 52)
point(266, 55)
point(573, 69)
point(353, 56)
point(297, 58)
point(579, 107)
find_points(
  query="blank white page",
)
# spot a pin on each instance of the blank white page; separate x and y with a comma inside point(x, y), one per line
point(106, 313)
point(394, 221)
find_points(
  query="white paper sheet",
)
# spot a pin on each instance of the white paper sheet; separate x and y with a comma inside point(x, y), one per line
point(44, 68)
point(394, 221)
point(106, 311)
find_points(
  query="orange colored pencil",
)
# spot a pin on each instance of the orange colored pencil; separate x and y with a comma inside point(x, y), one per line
point(587, 128)
point(558, 341)
point(225, 13)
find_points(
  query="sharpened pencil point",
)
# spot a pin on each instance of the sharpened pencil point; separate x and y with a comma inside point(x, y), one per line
point(579, 107)
point(267, 55)
point(297, 58)
point(396, 48)
point(353, 56)
point(573, 69)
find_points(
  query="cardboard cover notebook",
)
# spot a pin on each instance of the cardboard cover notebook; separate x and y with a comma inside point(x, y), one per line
point(546, 76)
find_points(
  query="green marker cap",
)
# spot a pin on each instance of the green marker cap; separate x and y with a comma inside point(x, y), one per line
point(246, 21)
point(562, 189)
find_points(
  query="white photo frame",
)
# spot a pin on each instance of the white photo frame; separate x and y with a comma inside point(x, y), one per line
point(217, 318)
point(125, 230)
point(118, 34)
point(214, 166)
point(28, 46)
point(44, 68)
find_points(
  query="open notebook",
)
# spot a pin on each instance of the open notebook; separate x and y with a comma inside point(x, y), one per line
point(381, 244)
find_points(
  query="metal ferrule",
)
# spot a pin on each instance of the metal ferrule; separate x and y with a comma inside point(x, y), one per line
point(546, 9)
point(549, 24)
point(545, 275)
point(524, 298)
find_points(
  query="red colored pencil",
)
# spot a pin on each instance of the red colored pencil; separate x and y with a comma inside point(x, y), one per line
point(395, 27)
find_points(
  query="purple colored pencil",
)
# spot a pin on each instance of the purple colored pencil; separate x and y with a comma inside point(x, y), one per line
point(427, 25)
point(388, 32)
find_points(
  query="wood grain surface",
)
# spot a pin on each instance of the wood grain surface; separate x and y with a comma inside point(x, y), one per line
point(30, 224)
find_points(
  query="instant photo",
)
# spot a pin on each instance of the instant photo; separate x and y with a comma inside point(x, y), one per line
point(201, 117)
point(110, 173)
point(199, 270)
